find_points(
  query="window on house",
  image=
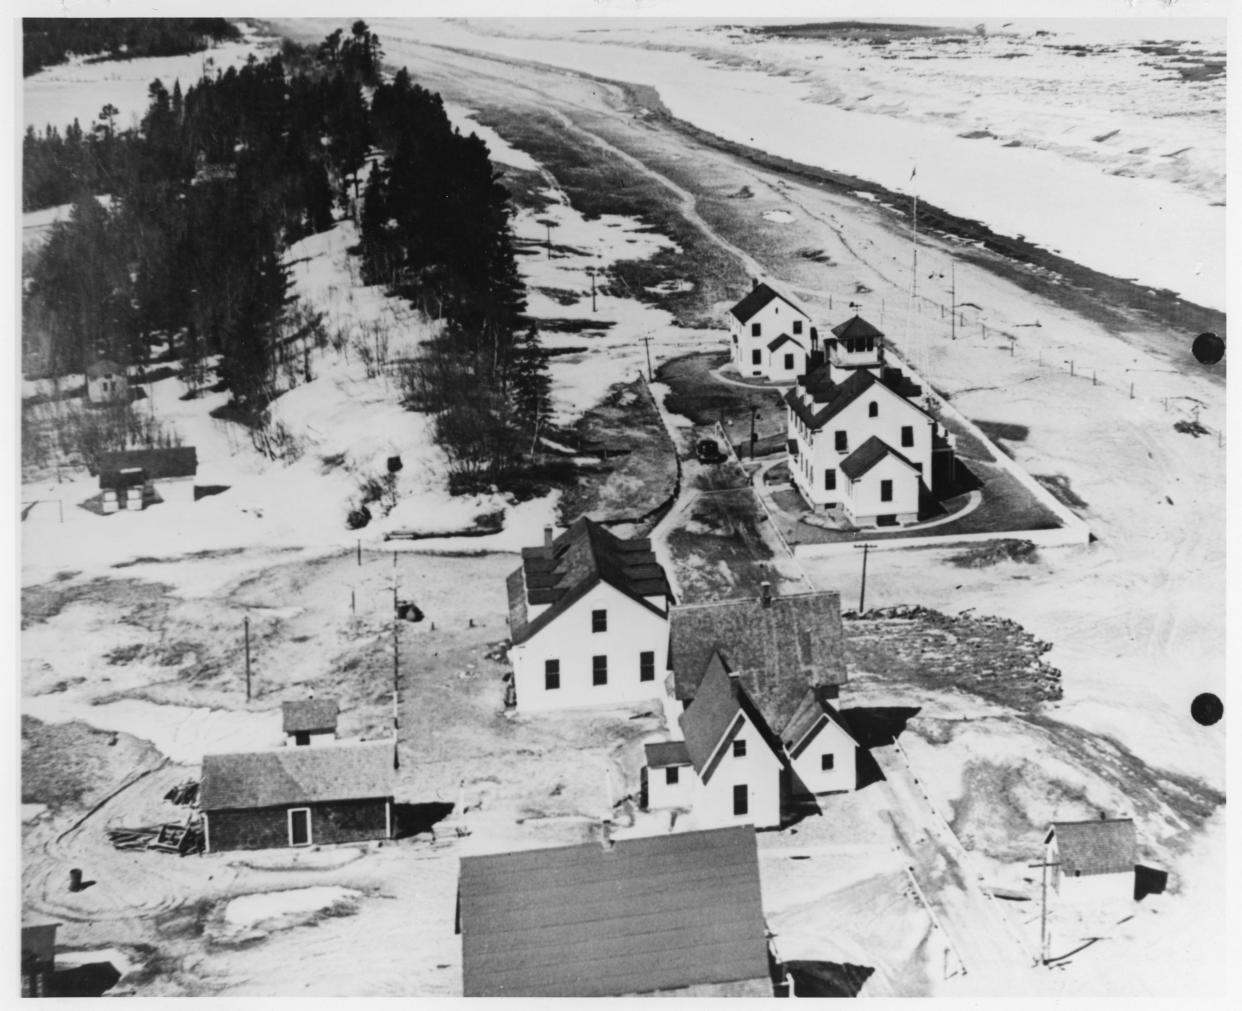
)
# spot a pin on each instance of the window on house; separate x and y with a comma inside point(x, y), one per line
point(755, 329)
point(797, 327)
point(671, 775)
point(886, 491)
point(599, 670)
point(825, 763)
point(830, 480)
point(907, 435)
point(599, 621)
point(741, 802)
point(301, 738)
point(756, 357)
point(873, 410)
point(646, 665)
point(789, 364)
point(739, 749)
point(551, 675)
point(842, 441)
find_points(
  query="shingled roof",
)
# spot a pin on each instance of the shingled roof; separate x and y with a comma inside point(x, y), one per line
point(309, 714)
point(104, 367)
point(661, 754)
point(281, 776)
point(714, 717)
point(855, 328)
point(814, 709)
point(657, 913)
point(836, 397)
point(579, 559)
point(778, 651)
point(868, 455)
point(172, 461)
point(783, 339)
point(1096, 847)
point(758, 297)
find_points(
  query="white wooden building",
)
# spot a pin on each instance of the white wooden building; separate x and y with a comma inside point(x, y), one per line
point(107, 382)
point(757, 678)
point(588, 614)
point(1093, 861)
point(769, 335)
point(859, 443)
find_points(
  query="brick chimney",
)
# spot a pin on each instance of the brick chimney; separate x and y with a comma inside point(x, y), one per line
point(765, 594)
point(547, 537)
point(605, 834)
point(754, 283)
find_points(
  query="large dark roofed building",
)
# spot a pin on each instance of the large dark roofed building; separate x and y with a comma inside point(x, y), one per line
point(778, 651)
point(560, 573)
point(1096, 847)
point(676, 914)
point(252, 800)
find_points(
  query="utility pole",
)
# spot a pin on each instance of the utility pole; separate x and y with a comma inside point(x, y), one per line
point(591, 271)
point(395, 674)
point(754, 413)
point(953, 296)
point(246, 626)
point(1043, 909)
point(647, 345)
point(549, 224)
point(862, 590)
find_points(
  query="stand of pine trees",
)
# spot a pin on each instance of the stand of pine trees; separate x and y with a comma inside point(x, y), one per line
point(212, 187)
point(48, 41)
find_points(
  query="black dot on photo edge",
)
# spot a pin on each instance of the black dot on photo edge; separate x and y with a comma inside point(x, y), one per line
point(1208, 348)
point(1207, 709)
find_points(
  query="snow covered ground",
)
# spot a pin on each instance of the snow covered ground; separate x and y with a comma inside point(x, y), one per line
point(1108, 160)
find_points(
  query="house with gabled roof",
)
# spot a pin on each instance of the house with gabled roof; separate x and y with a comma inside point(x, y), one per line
point(676, 915)
point(310, 721)
point(769, 334)
point(758, 678)
point(859, 443)
point(338, 793)
point(1092, 862)
point(107, 382)
point(588, 615)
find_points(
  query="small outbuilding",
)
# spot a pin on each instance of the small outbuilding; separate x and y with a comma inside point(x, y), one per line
point(107, 383)
point(1092, 861)
point(310, 721)
point(669, 915)
point(337, 793)
point(133, 473)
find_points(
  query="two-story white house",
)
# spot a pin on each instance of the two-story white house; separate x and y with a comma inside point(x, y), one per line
point(757, 678)
point(769, 335)
point(858, 440)
point(588, 615)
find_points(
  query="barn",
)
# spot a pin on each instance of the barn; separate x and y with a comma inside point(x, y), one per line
point(669, 915)
point(337, 793)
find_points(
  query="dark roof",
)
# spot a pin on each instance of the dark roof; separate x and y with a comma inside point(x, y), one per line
point(39, 943)
point(868, 455)
point(104, 367)
point(835, 397)
point(856, 327)
point(1095, 847)
point(288, 775)
point(714, 718)
point(578, 560)
point(758, 297)
point(175, 461)
point(778, 651)
point(664, 753)
point(655, 913)
point(811, 713)
point(782, 339)
point(310, 714)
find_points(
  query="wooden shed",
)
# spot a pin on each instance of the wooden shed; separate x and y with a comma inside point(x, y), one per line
point(169, 472)
point(107, 382)
point(338, 793)
point(310, 721)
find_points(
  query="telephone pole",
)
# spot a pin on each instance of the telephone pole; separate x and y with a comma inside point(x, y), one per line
point(862, 590)
point(246, 627)
point(647, 346)
point(953, 298)
point(1043, 909)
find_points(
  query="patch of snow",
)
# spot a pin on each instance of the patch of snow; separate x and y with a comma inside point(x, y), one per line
point(262, 907)
point(780, 217)
point(32, 812)
point(499, 149)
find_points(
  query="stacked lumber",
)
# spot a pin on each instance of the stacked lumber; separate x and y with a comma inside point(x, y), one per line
point(166, 838)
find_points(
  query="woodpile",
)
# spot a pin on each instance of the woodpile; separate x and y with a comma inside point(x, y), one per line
point(167, 838)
